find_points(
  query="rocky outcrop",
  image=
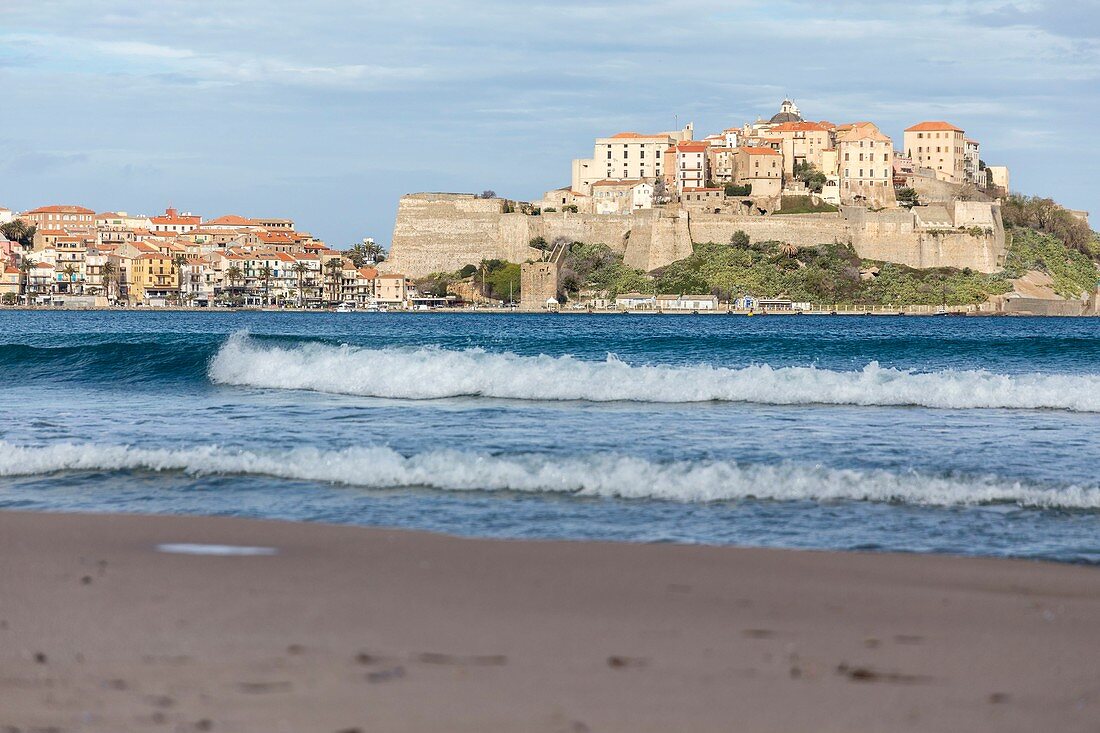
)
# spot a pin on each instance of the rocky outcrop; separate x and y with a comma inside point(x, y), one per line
point(443, 232)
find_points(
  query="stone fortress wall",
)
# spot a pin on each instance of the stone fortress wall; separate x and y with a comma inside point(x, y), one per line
point(442, 232)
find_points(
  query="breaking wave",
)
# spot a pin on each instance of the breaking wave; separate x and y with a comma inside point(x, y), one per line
point(596, 475)
point(432, 373)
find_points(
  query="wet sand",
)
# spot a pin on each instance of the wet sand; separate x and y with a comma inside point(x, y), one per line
point(350, 629)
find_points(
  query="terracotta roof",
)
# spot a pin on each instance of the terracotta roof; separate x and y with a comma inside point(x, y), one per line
point(800, 127)
point(624, 182)
point(60, 210)
point(232, 220)
point(933, 126)
point(633, 135)
point(368, 272)
point(692, 147)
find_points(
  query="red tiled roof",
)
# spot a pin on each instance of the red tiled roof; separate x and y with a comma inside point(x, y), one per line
point(60, 210)
point(800, 127)
point(933, 126)
point(232, 220)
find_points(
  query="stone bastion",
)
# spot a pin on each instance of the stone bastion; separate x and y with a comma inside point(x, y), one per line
point(442, 232)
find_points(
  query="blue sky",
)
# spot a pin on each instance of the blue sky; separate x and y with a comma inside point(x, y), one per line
point(328, 111)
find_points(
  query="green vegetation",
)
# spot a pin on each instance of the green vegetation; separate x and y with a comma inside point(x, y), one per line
point(829, 273)
point(732, 190)
point(17, 231)
point(1046, 216)
point(1073, 272)
point(805, 205)
point(596, 266)
point(812, 177)
point(908, 197)
point(9, 299)
point(497, 279)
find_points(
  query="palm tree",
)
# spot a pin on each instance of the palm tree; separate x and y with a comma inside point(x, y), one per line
point(233, 274)
point(335, 268)
point(266, 272)
point(70, 273)
point(789, 249)
point(26, 267)
point(300, 269)
point(178, 262)
point(107, 275)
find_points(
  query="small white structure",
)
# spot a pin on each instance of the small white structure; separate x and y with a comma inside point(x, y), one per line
point(687, 303)
point(636, 302)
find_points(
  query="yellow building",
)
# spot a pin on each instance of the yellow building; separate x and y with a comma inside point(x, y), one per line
point(153, 278)
point(940, 146)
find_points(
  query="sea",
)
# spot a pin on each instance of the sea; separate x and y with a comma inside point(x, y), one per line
point(973, 436)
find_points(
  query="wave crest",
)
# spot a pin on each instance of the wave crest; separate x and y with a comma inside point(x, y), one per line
point(596, 475)
point(433, 373)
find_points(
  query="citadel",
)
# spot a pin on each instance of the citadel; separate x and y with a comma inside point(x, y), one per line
point(651, 197)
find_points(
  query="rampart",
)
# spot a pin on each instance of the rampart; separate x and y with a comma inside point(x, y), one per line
point(444, 232)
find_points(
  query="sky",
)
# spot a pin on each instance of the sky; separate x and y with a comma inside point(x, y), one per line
point(328, 111)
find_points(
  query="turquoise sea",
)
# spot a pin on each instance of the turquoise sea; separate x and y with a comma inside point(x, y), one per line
point(956, 435)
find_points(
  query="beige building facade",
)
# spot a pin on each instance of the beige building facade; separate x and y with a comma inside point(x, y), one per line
point(940, 146)
point(865, 159)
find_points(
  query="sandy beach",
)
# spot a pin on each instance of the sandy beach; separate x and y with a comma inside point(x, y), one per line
point(352, 629)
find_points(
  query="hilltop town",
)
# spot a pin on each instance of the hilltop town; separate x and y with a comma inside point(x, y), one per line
point(70, 256)
point(782, 212)
point(924, 202)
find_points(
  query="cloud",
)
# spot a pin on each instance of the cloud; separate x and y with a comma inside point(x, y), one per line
point(231, 103)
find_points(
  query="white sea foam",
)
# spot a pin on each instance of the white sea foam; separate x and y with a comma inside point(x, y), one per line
point(436, 373)
point(596, 475)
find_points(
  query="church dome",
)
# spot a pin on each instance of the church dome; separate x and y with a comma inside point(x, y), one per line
point(788, 112)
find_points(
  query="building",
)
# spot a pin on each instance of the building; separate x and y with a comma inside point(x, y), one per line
point(636, 302)
point(121, 220)
point(392, 289)
point(998, 177)
point(687, 303)
point(173, 222)
point(720, 161)
point(6, 215)
point(621, 197)
point(69, 218)
point(690, 167)
point(627, 155)
point(232, 221)
point(153, 279)
point(703, 198)
point(865, 160)
point(940, 146)
point(761, 168)
point(974, 172)
point(802, 143)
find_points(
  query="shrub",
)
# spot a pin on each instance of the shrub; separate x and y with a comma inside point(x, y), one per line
point(745, 190)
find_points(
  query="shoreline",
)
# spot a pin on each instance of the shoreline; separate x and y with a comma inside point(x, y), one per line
point(953, 311)
point(351, 628)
